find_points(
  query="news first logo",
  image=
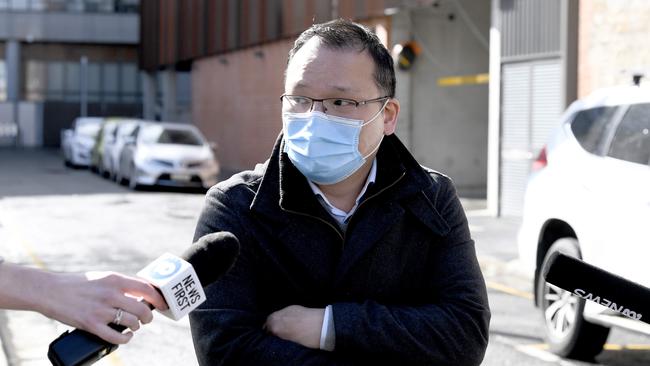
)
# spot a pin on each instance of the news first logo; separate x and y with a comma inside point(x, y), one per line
point(186, 293)
point(608, 304)
point(165, 268)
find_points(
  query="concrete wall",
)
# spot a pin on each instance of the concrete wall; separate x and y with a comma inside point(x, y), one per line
point(29, 129)
point(236, 102)
point(70, 27)
point(446, 127)
point(613, 43)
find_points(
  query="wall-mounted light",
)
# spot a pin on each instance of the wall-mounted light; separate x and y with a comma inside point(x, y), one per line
point(407, 55)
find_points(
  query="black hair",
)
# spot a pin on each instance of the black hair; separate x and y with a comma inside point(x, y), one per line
point(344, 34)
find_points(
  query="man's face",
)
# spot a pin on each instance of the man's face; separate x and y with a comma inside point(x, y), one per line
point(317, 71)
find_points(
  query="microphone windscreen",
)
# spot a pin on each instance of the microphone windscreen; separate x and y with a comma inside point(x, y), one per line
point(212, 255)
point(592, 283)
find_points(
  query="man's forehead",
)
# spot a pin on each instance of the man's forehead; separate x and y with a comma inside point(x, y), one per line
point(335, 69)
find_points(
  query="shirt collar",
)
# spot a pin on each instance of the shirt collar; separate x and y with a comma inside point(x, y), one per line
point(339, 214)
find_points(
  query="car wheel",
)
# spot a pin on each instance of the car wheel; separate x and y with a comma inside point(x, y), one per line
point(100, 169)
point(567, 332)
point(133, 182)
point(119, 178)
point(66, 161)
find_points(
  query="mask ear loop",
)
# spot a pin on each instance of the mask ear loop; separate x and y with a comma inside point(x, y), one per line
point(377, 114)
point(382, 135)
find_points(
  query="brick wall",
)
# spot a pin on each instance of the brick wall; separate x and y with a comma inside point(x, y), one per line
point(613, 43)
point(236, 102)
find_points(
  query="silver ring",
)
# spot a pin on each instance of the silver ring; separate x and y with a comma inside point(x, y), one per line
point(118, 316)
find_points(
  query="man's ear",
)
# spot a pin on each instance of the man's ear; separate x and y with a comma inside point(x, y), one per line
point(391, 111)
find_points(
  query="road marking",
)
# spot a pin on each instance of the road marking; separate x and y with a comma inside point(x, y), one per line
point(16, 237)
point(607, 347)
point(539, 351)
point(508, 290)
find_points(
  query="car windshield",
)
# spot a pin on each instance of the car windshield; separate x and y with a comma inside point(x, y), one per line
point(166, 135)
point(88, 129)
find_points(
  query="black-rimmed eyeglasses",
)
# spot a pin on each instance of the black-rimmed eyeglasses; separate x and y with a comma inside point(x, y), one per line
point(334, 106)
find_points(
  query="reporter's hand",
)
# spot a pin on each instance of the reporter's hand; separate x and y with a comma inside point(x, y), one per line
point(297, 324)
point(91, 301)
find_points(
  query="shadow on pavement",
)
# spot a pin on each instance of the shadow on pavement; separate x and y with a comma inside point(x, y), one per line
point(41, 172)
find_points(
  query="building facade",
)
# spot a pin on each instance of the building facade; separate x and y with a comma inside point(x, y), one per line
point(237, 53)
point(62, 59)
point(487, 86)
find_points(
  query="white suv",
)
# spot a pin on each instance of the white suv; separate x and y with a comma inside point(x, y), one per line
point(589, 196)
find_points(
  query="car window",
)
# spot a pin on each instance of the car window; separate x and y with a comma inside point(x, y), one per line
point(88, 129)
point(159, 135)
point(632, 138)
point(589, 127)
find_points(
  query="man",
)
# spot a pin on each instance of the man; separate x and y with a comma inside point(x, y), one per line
point(87, 301)
point(351, 252)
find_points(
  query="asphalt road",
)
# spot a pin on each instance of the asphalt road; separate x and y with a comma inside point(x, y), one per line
point(72, 220)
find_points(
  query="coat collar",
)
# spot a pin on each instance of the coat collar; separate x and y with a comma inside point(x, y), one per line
point(401, 184)
point(284, 185)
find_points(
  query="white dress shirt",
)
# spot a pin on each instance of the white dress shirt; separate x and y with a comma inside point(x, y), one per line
point(327, 333)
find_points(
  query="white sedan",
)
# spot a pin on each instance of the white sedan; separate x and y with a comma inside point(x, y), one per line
point(78, 141)
point(589, 197)
point(168, 154)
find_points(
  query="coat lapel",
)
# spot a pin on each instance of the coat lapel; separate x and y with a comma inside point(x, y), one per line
point(307, 238)
point(401, 183)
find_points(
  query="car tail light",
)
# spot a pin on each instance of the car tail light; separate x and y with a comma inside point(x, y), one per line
point(541, 162)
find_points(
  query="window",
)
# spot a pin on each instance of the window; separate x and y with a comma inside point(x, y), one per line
point(3, 81)
point(72, 81)
point(632, 139)
point(55, 72)
point(589, 127)
point(94, 82)
point(110, 78)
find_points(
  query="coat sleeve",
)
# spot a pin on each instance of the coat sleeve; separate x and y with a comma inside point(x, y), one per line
point(450, 329)
point(227, 328)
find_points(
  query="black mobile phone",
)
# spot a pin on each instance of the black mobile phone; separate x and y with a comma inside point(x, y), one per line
point(79, 348)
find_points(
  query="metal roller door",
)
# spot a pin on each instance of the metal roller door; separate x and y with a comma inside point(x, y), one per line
point(532, 100)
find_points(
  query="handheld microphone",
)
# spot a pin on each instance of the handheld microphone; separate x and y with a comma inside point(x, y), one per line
point(179, 280)
point(592, 283)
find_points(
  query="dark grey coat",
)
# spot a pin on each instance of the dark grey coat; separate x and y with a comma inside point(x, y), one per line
point(403, 279)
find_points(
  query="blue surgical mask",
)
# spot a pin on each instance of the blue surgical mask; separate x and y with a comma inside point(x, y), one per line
point(324, 148)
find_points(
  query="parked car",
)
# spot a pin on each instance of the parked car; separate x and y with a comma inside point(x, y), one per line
point(168, 154)
point(78, 141)
point(114, 148)
point(101, 155)
point(96, 158)
point(589, 197)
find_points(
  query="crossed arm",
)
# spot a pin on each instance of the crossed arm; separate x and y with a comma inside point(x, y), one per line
point(237, 326)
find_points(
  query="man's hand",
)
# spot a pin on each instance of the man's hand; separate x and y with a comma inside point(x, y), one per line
point(297, 324)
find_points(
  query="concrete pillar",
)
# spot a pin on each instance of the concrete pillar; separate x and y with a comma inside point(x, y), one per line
point(494, 113)
point(169, 95)
point(12, 59)
point(149, 91)
point(14, 83)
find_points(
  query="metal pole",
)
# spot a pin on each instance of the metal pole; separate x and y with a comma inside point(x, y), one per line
point(83, 87)
point(494, 113)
